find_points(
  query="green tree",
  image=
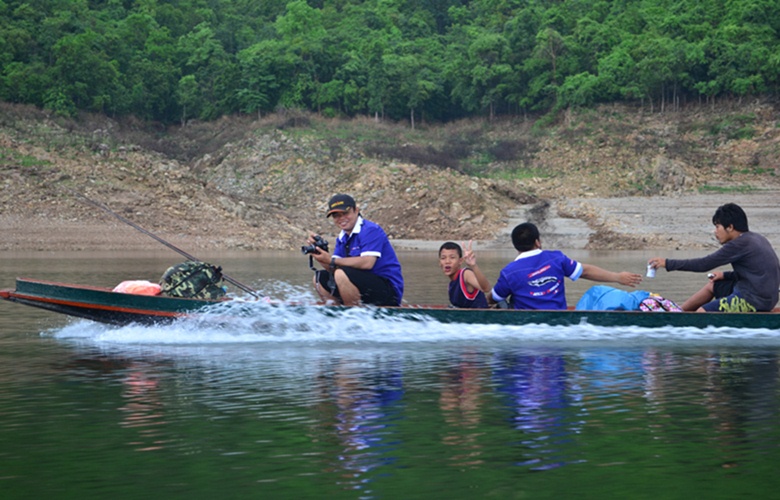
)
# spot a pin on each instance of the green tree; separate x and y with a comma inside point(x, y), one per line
point(378, 84)
point(215, 71)
point(616, 74)
point(302, 33)
point(84, 73)
point(489, 68)
point(25, 83)
point(577, 91)
point(412, 75)
point(188, 97)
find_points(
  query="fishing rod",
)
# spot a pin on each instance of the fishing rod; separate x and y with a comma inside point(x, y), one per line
point(167, 244)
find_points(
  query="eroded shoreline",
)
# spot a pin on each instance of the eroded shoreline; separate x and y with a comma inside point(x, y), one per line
point(660, 222)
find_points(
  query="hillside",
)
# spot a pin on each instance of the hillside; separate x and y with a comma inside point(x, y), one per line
point(243, 183)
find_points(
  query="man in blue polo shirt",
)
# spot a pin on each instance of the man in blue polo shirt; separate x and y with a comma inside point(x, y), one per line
point(363, 267)
point(534, 280)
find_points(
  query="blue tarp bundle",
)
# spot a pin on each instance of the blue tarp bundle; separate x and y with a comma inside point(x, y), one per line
point(606, 298)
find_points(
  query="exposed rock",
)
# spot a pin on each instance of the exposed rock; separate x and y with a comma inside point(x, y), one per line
point(240, 183)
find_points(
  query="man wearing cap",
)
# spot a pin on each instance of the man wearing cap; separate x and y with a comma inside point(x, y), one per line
point(363, 267)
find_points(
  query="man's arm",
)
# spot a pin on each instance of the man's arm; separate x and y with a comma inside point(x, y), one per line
point(726, 254)
point(595, 273)
point(365, 262)
point(360, 262)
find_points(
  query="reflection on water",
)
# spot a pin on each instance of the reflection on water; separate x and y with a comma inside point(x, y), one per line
point(463, 391)
point(356, 410)
point(536, 395)
point(144, 409)
point(300, 404)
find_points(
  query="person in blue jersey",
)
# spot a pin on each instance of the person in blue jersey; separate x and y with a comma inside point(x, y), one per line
point(468, 285)
point(754, 282)
point(534, 280)
point(363, 268)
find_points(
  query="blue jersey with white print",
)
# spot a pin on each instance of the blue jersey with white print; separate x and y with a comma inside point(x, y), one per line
point(534, 280)
point(368, 238)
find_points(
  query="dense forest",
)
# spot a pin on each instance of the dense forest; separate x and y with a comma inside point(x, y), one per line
point(174, 60)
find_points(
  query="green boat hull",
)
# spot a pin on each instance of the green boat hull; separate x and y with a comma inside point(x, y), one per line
point(102, 304)
point(106, 306)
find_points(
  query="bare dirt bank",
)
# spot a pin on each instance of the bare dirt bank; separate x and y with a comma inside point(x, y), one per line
point(614, 178)
point(629, 223)
point(673, 222)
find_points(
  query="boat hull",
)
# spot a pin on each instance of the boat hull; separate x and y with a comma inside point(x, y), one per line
point(101, 304)
point(105, 306)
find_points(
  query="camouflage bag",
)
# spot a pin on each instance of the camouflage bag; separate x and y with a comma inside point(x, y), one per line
point(193, 280)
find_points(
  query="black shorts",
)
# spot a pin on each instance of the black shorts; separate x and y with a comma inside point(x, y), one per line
point(723, 288)
point(374, 290)
point(727, 300)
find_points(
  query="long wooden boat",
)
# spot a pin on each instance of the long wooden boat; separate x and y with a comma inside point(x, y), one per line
point(105, 306)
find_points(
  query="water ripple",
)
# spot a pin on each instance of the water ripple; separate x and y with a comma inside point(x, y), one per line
point(253, 322)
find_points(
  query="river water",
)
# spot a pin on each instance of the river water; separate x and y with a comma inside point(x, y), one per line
point(310, 406)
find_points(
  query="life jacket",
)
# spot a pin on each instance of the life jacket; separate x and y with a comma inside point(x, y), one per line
point(193, 280)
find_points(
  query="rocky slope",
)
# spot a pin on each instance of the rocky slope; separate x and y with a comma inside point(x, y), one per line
point(241, 183)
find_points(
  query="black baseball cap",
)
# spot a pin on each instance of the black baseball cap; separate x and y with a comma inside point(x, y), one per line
point(340, 203)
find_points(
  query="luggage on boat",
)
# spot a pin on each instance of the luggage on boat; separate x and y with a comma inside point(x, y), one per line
point(138, 287)
point(193, 280)
point(606, 298)
point(656, 303)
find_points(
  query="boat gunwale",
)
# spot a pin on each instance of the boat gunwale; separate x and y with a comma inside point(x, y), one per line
point(142, 308)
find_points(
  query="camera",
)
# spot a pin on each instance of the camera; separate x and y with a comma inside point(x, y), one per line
point(318, 243)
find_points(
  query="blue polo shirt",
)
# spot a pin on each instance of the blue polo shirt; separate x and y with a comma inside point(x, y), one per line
point(534, 280)
point(369, 239)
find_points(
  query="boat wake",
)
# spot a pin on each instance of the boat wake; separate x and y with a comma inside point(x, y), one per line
point(274, 324)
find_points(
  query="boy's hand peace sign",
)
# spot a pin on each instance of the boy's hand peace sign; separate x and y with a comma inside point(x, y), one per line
point(468, 255)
